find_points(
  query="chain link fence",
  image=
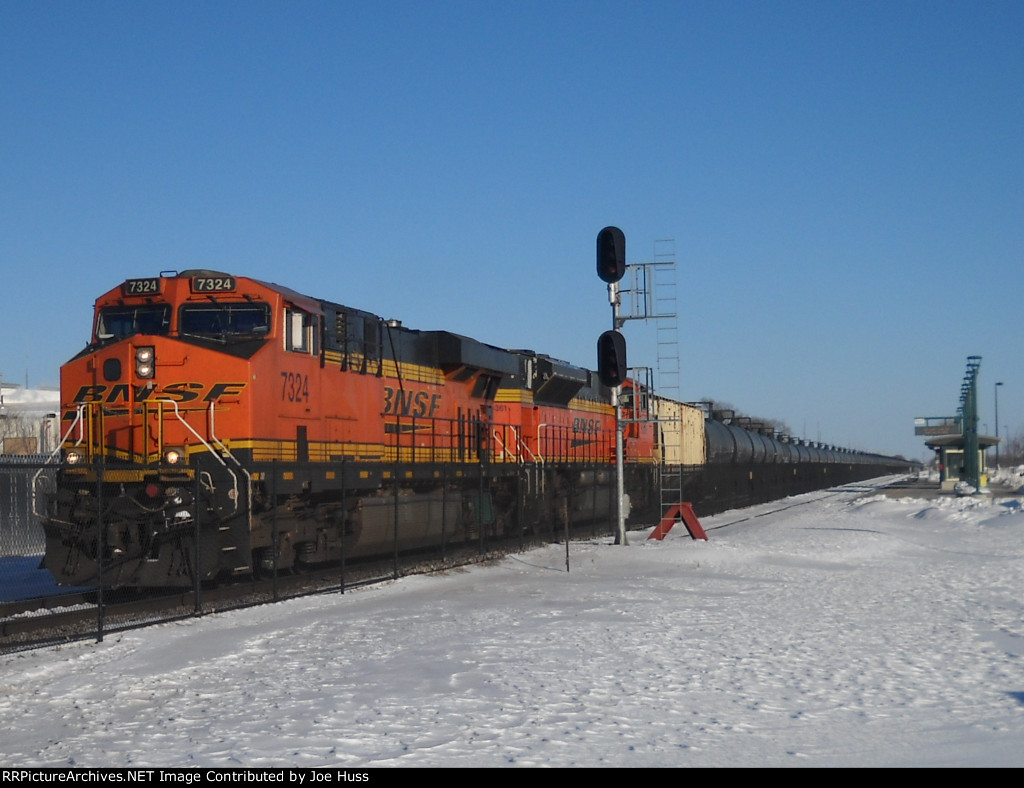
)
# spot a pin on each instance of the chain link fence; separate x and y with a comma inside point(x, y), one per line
point(36, 611)
point(22, 541)
point(481, 517)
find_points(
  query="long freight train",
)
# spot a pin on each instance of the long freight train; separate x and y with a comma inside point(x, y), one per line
point(216, 425)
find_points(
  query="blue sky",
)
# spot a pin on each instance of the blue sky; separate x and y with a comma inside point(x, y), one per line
point(843, 181)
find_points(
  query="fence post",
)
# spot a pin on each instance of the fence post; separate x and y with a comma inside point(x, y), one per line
point(395, 496)
point(342, 526)
point(276, 535)
point(100, 558)
point(196, 585)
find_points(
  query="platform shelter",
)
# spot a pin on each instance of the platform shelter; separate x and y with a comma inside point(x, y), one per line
point(949, 450)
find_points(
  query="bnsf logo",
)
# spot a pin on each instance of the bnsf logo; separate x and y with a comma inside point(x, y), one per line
point(410, 403)
point(178, 392)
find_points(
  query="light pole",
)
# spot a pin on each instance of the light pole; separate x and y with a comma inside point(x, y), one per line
point(996, 388)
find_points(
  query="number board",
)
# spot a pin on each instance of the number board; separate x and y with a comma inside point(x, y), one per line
point(213, 284)
point(137, 287)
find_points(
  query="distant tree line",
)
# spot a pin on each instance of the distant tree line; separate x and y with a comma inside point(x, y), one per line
point(1011, 450)
point(26, 434)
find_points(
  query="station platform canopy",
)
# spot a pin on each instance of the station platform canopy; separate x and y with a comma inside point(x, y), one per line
point(957, 442)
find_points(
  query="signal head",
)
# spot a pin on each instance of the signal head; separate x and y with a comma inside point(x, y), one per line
point(611, 358)
point(611, 254)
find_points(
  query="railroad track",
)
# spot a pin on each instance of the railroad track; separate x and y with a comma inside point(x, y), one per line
point(780, 506)
point(70, 617)
point(54, 620)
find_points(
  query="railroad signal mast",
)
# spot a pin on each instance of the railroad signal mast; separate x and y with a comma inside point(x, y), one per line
point(611, 354)
point(651, 291)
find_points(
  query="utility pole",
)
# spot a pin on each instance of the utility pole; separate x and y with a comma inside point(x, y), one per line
point(996, 387)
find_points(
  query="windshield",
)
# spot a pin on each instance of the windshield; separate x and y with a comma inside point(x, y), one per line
point(125, 321)
point(225, 321)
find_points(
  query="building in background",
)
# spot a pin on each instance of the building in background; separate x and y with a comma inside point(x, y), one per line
point(29, 420)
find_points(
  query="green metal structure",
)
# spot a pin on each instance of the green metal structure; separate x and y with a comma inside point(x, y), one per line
point(967, 413)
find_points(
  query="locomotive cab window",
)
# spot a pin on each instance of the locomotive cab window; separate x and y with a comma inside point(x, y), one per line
point(298, 331)
point(125, 321)
point(225, 322)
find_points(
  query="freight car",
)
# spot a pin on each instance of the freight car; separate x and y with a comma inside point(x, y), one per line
point(217, 425)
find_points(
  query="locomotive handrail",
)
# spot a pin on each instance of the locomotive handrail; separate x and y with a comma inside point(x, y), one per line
point(79, 411)
point(542, 425)
point(227, 451)
point(519, 444)
point(501, 444)
point(524, 447)
point(209, 448)
point(218, 441)
point(80, 423)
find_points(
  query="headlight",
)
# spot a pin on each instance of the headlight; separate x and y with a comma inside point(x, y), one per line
point(174, 457)
point(144, 360)
point(73, 457)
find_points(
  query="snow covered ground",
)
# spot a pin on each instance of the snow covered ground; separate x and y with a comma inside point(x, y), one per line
point(843, 628)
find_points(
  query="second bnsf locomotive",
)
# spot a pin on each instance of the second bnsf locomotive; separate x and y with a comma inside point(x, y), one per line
point(216, 425)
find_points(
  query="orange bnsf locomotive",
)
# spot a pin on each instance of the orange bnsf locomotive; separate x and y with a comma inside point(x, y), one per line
point(213, 416)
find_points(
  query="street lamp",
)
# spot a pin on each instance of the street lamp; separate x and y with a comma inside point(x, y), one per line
point(996, 389)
